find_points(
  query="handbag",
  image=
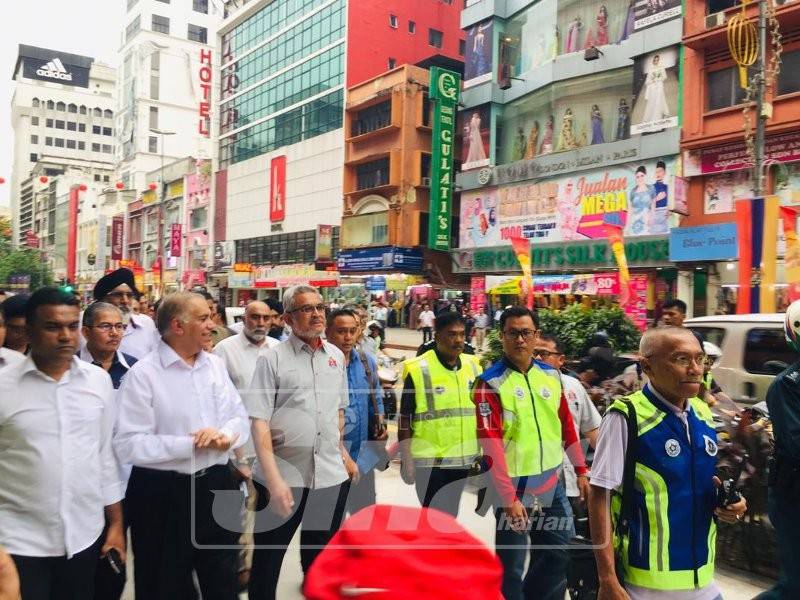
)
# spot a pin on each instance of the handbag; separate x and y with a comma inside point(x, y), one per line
point(376, 429)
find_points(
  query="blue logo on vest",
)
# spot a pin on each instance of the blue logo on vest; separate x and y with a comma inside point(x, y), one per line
point(545, 393)
point(518, 392)
point(672, 447)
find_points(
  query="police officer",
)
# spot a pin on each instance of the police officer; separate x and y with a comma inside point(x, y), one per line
point(437, 431)
point(783, 401)
point(661, 478)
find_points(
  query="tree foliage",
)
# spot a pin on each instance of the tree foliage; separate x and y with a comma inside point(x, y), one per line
point(22, 262)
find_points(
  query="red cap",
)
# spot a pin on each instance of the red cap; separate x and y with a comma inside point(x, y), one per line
point(396, 552)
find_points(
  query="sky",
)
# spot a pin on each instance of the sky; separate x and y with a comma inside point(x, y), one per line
point(87, 27)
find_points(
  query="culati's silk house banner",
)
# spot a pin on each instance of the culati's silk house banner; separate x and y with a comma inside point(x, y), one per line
point(757, 229)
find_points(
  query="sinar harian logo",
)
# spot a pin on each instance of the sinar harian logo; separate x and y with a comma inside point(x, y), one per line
point(55, 70)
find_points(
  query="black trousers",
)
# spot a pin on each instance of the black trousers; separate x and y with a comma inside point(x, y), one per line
point(109, 585)
point(173, 533)
point(58, 578)
point(427, 334)
point(320, 513)
point(362, 494)
point(440, 488)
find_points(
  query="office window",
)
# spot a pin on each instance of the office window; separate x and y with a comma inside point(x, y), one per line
point(96, 177)
point(73, 108)
point(160, 24)
point(132, 3)
point(107, 131)
point(82, 127)
point(391, 63)
point(33, 157)
point(72, 126)
point(155, 61)
point(60, 124)
point(198, 34)
point(724, 89)
point(95, 147)
point(715, 6)
point(35, 103)
point(372, 174)
point(373, 117)
point(107, 149)
point(71, 144)
point(198, 218)
point(48, 141)
point(152, 144)
point(412, 27)
point(789, 77)
point(164, 1)
point(462, 47)
point(35, 121)
point(60, 106)
point(154, 85)
point(34, 139)
point(81, 145)
point(153, 117)
point(59, 142)
point(82, 110)
point(96, 129)
point(200, 6)
point(435, 38)
point(108, 114)
point(106, 179)
point(51, 105)
point(48, 122)
point(393, 21)
point(98, 112)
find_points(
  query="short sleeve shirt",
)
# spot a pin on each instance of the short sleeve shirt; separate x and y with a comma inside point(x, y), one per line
point(299, 391)
point(586, 418)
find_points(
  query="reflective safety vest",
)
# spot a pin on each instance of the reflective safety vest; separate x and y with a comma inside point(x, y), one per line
point(531, 425)
point(671, 532)
point(444, 427)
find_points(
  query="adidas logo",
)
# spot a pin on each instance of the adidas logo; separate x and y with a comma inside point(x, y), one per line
point(54, 69)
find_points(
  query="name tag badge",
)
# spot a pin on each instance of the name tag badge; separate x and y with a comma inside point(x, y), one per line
point(332, 363)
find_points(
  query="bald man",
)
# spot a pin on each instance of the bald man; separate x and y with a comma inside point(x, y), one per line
point(673, 455)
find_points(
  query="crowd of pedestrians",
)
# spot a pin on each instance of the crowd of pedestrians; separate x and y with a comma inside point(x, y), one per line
point(210, 456)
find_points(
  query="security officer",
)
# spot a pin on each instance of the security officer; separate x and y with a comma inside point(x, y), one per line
point(524, 426)
point(438, 442)
point(783, 401)
point(660, 479)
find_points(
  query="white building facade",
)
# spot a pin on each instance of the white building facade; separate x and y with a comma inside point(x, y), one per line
point(62, 115)
point(164, 84)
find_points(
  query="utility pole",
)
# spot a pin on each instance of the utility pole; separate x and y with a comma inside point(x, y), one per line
point(161, 200)
point(761, 87)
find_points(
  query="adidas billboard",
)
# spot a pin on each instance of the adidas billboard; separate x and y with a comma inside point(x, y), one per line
point(54, 69)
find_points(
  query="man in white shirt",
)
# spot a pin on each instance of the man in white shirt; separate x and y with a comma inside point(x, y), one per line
point(59, 474)
point(382, 315)
point(296, 403)
point(179, 416)
point(426, 320)
point(481, 325)
point(119, 288)
point(7, 355)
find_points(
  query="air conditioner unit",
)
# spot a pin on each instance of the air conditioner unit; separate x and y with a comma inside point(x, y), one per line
point(426, 181)
point(715, 20)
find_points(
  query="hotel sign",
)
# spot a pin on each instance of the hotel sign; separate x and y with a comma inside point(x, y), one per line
point(444, 90)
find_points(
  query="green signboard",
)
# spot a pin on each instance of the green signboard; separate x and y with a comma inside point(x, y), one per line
point(444, 90)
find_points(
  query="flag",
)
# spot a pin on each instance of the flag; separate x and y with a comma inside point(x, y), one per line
point(792, 258)
point(757, 230)
point(522, 248)
point(614, 235)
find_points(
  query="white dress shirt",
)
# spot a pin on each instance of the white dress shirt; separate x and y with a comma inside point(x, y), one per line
point(140, 337)
point(9, 357)
point(240, 356)
point(58, 469)
point(163, 401)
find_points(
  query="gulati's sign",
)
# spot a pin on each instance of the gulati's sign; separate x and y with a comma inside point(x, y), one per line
point(444, 90)
point(563, 257)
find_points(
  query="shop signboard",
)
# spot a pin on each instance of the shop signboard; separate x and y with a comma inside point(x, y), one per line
point(648, 252)
point(240, 279)
point(734, 157)
point(477, 293)
point(277, 189)
point(444, 93)
point(592, 284)
point(655, 91)
point(636, 307)
point(478, 54)
point(375, 283)
point(635, 196)
point(324, 242)
point(703, 243)
point(384, 258)
point(475, 127)
point(651, 12)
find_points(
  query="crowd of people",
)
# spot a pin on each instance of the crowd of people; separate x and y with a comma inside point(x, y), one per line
point(210, 447)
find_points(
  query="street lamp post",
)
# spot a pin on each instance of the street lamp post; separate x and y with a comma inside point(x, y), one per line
point(161, 199)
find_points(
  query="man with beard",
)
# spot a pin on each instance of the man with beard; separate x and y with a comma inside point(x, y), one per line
point(119, 288)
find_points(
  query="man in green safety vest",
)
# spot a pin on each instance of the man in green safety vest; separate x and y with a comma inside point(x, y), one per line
point(524, 426)
point(660, 499)
point(438, 443)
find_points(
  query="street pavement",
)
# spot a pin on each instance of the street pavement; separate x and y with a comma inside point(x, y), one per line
point(735, 585)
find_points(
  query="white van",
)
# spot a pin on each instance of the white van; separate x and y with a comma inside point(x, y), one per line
point(753, 350)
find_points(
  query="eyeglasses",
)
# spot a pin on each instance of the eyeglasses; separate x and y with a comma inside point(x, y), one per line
point(310, 309)
point(546, 353)
point(514, 334)
point(107, 327)
point(685, 360)
point(118, 295)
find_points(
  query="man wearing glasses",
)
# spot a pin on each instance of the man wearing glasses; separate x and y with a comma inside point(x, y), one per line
point(103, 330)
point(296, 403)
point(119, 288)
point(524, 425)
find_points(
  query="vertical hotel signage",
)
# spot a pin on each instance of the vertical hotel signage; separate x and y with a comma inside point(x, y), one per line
point(204, 107)
point(444, 90)
point(277, 189)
